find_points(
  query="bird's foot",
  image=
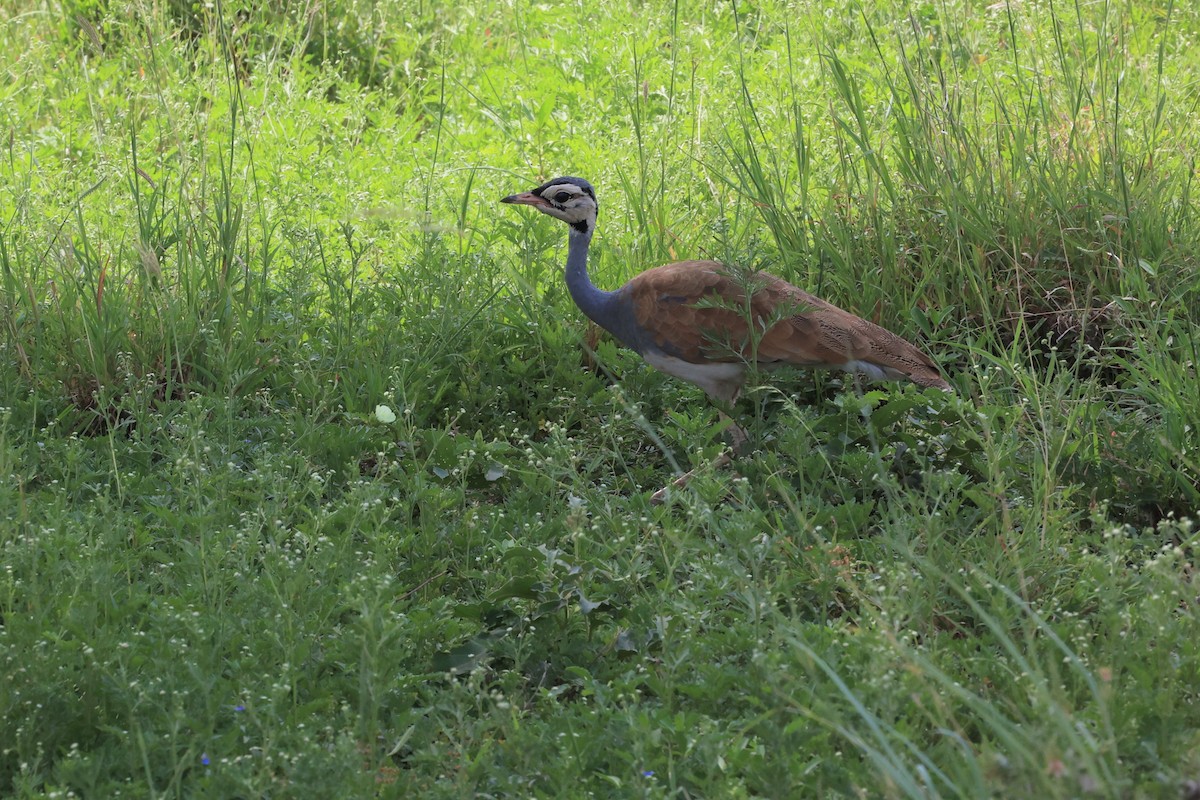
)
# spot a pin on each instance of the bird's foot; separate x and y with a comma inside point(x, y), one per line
point(660, 497)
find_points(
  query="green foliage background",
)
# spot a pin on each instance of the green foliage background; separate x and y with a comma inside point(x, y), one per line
point(228, 231)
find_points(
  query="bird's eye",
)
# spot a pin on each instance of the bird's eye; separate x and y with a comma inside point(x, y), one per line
point(562, 197)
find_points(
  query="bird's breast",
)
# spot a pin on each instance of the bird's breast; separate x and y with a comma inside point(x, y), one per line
point(620, 316)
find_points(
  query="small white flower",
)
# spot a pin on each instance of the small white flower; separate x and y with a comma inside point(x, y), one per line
point(385, 415)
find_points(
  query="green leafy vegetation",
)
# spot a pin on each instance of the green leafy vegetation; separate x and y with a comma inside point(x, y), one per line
point(230, 232)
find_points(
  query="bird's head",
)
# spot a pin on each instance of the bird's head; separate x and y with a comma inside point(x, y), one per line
point(570, 199)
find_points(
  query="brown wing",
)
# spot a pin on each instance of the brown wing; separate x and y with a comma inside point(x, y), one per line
point(697, 310)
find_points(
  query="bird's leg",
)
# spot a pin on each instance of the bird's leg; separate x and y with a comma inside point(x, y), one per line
point(737, 435)
point(737, 440)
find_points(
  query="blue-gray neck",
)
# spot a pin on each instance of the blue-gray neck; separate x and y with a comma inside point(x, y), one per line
point(612, 311)
point(591, 301)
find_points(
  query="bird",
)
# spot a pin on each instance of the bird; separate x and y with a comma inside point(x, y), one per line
point(691, 319)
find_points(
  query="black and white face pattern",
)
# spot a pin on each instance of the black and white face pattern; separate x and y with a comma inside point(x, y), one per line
point(570, 199)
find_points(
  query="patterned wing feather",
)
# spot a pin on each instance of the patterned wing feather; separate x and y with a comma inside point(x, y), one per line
point(696, 311)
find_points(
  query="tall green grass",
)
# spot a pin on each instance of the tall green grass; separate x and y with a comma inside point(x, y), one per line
point(229, 232)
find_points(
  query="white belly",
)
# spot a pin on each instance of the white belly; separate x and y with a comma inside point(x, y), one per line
point(719, 379)
point(873, 371)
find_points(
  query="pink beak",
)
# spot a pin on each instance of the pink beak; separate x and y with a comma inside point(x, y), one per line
point(525, 199)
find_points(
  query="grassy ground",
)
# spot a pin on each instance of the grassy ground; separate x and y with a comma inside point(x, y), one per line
point(229, 232)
